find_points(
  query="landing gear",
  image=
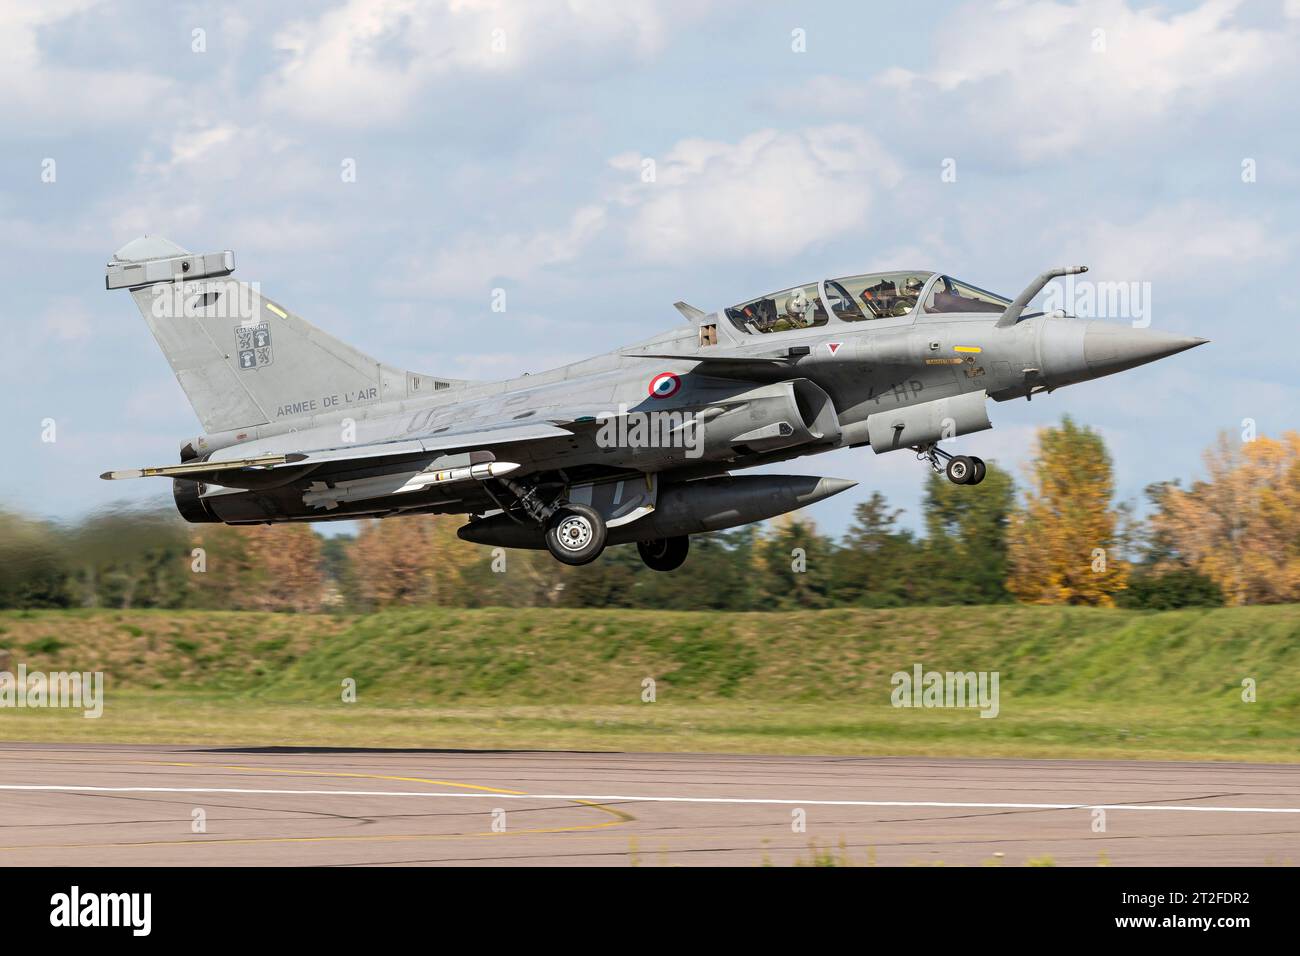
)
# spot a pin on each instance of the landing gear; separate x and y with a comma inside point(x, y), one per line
point(664, 554)
point(961, 469)
point(575, 534)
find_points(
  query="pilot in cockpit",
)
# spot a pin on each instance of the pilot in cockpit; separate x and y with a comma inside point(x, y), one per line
point(912, 291)
point(799, 309)
point(886, 299)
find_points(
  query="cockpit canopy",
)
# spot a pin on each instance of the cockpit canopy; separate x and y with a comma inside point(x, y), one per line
point(876, 295)
point(949, 295)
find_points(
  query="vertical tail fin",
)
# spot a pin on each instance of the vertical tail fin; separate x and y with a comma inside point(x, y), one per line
point(244, 360)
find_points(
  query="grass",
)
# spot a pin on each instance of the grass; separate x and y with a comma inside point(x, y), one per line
point(1075, 682)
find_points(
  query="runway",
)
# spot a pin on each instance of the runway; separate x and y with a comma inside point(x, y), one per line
point(88, 805)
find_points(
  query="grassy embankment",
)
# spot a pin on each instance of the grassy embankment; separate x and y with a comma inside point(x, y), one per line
point(1074, 681)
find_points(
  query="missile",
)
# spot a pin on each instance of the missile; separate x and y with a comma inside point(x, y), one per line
point(319, 494)
point(691, 507)
point(203, 469)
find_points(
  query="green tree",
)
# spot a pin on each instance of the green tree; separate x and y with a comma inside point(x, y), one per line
point(877, 562)
point(718, 575)
point(966, 539)
point(128, 558)
point(796, 565)
point(610, 581)
point(1156, 590)
point(33, 568)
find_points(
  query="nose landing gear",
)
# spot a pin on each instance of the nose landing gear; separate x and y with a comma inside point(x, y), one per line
point(960, 469)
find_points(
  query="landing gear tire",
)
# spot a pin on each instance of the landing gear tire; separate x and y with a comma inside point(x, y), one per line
point(961, 469)
point(576, 534)
point(664, 554)
point(979, 473)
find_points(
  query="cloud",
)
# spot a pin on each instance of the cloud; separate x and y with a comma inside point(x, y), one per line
point(67, 320)
point(1180, 242)
point(50, 342)
point(769, 195)
point(41, 96)
point(468, 263)
point(371, 62)
point(1043, 79)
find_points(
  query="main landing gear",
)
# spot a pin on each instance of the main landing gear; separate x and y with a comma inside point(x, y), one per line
point(574, 534)
point(664, 554)
point(960, 469)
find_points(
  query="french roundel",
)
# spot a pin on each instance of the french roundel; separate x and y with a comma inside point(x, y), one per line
point(664, 385)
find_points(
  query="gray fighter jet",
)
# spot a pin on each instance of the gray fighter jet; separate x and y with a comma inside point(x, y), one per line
point(635, 446)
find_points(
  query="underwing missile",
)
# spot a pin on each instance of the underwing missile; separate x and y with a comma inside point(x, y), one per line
point(320, 494)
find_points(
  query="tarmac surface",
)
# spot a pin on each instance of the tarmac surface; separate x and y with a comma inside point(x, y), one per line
point(88, 805)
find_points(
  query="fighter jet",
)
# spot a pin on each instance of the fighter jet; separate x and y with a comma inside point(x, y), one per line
point(640, 445)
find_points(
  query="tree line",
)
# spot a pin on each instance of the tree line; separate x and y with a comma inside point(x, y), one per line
point(1055, 537)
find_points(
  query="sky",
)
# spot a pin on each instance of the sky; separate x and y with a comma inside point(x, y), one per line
point(381, 166)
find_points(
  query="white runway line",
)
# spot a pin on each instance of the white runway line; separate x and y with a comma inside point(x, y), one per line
point(643, 798)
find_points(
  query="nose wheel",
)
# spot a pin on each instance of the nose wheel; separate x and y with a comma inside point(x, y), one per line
point(965, 470)
point(960, 469)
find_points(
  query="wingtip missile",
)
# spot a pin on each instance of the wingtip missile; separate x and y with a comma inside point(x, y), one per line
point(199, 469)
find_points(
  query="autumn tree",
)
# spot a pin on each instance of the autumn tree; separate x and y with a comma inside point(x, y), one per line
point(1240, 527)
point(258, 568)
point(1162, 579)
point(1062, 541)
point(412, 559)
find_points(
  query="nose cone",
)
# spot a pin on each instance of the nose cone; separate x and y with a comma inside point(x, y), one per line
point(1109, 348)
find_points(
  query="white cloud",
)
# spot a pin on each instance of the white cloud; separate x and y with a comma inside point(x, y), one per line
point(68, 320)
point(1043, 79)
point(770, 195)
point(41, 96)
point(468, 263)
point(1181, 241)
point(369, 62)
